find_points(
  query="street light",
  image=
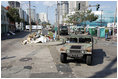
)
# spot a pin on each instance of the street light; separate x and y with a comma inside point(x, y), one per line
point(30, 17)
point(58, 18)
point(47, 12)
point(36, 20)
point(115, 14)
point(35, 10)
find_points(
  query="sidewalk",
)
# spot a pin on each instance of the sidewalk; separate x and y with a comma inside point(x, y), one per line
point(43, 63)
point(38, 58)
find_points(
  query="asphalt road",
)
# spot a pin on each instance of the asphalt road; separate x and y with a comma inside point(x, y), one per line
point(43, 60)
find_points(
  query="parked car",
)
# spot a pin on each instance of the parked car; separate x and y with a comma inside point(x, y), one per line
point(34, 27)
point(77, 47)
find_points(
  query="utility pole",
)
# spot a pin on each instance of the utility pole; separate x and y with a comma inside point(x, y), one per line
point(114, 21)
point(56, 15)
point(58, 19)
point(47, 12)
point(30, 17)
point(101, 17)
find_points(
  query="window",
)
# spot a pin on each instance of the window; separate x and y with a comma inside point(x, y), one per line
point(84, 40)
point(72, 40)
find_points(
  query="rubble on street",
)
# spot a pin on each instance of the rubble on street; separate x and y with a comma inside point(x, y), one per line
point(38, 37)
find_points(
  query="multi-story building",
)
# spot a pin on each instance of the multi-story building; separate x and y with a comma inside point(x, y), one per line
point(67, 8)
point(78, 6)
point(43, 17)
point(63, 10)
point(64, 7)
point(33, 15)
point(14, 4)
point(22, 14)
point(37, 18)
point(4, 20)
point(26, 17)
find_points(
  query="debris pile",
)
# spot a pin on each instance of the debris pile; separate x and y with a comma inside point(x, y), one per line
point(38, 37)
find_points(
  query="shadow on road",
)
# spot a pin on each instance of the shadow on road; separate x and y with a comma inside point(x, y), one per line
point(21, 34)
point(77, 61)
point(7, 57)
point(108, 70)
point(58, 44)
point(98, 56)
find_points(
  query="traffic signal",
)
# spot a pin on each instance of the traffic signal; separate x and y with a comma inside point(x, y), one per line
point(79, 6)
point(97, 6)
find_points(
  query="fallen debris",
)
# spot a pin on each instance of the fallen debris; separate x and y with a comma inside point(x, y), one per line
point(42, 39)
point(24, 42)
point(37, 37)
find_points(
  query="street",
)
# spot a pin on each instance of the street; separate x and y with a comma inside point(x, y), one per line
point(43, 60)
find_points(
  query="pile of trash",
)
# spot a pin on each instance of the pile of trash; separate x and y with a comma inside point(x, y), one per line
point(38, 37)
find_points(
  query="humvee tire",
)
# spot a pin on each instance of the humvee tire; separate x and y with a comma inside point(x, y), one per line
point(88, 59)
point(63, 57)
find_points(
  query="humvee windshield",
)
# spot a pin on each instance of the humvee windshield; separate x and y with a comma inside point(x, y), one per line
point(79, 40)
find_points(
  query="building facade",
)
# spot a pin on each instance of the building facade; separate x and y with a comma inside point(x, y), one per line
point(4, 20)
point(75, 6)
point(63, 11)
point(23, 15)
point(14, 4)
point(78, 6)
point(67, 8)
point(33, 15)
point(37, 18)
point(43, 17)
point(26, 17)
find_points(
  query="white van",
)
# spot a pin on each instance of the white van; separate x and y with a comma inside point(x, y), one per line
point(34, 27)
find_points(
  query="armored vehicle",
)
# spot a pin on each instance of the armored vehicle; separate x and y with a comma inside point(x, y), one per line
point(77, 47)
point(63, 30)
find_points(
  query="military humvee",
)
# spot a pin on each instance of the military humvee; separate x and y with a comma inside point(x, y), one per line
point(63, 30)
point(78, 47)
